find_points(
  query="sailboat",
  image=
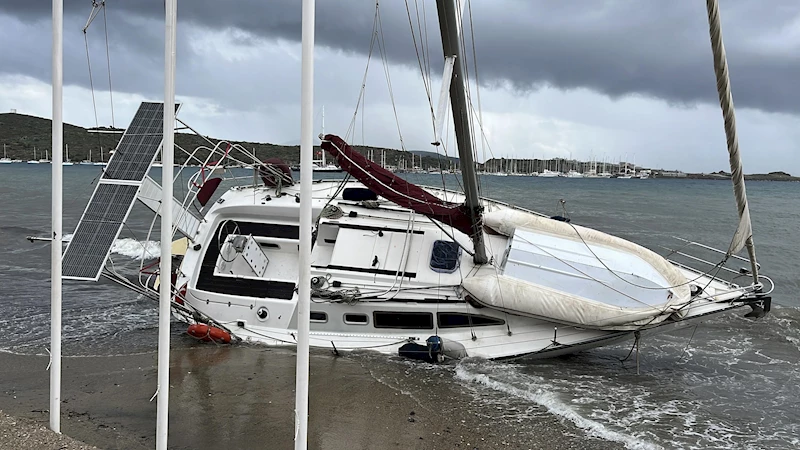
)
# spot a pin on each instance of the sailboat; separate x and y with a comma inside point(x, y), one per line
point(87, 162)
point(548, 173)
point(421, 271)
point(5, 159)
point(101, 162)
point(322, 165)
point(67, 161)
point(34, 160)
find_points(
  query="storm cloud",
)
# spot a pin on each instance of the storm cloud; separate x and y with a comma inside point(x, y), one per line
point(616, 48)
point(603, 79)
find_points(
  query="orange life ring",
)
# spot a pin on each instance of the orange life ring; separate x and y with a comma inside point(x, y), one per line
point(208, 333)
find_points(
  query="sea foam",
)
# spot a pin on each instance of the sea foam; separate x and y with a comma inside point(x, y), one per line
point(132, 248)
point(555, 406)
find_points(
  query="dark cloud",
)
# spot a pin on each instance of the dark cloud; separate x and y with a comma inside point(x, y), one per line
point(618, 48)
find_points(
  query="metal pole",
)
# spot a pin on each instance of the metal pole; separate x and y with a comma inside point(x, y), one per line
point(304, 279)
point(56, 212)
point(449, 25)
point(324, 163)
point(165, 270)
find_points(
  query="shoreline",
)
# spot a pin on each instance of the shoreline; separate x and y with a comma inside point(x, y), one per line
point(243, 397)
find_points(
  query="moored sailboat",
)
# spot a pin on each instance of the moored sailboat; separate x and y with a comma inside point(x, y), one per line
point(403, 268)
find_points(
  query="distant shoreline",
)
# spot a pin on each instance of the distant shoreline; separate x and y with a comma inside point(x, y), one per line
point(773, 176)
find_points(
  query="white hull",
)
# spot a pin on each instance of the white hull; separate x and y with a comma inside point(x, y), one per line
point(435, 300)
point(549, 174)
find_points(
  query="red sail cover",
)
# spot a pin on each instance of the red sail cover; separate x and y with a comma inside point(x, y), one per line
point(396, 189)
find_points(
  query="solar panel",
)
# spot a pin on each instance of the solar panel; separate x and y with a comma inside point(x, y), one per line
point(98, 229)
point(139, 145)
point(115, 194)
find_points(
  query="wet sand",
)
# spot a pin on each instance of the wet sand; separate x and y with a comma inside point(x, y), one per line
point(243, 397)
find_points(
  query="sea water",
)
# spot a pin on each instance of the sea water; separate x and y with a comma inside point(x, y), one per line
point(730, 382)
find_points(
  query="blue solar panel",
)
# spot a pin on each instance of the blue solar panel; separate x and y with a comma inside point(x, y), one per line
point(114, 195)
point(98, 229)
point(139, 145)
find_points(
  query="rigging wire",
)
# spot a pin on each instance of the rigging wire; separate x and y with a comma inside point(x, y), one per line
point(108, 62)
point(91, 81)
point(360, 101)
point(385, 60)
point(477, 80)
point(97, 6)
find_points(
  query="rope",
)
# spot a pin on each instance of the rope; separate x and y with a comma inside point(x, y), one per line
point(744, 232)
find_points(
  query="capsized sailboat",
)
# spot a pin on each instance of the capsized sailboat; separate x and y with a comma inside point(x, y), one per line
point(401, 268)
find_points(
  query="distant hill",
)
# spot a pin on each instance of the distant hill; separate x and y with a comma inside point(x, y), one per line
point(21, 133)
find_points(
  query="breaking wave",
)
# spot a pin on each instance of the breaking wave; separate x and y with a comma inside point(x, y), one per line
point(132, 248)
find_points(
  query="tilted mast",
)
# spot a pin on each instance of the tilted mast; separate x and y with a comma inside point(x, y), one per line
point(744, 232)
point(449, 25)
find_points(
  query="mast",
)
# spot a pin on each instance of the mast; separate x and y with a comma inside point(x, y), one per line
point(304, 277)
point(56, 216)
point(744, 231)
point(323, 133)
point(165, 269)
point(449, 26)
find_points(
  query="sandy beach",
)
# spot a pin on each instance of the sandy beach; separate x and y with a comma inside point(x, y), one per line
point(243, 397)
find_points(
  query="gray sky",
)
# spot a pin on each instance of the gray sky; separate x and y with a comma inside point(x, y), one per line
point(604, 78)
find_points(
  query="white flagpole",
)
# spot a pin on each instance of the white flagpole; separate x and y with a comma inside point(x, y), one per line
point(56, 212)
point(165, 270)
point(304, 279)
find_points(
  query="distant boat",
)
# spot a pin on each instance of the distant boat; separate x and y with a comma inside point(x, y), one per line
point(326, 168)
point(102, 161)
point(574, 174)
point(34, 160)
point(643, 175)
point(5, 159)
point(66, 161)
point(87, 162)
point(549, 174)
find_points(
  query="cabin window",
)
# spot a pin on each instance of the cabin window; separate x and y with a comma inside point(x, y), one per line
point(412, 320)
point(269, 245)
point(456, 320)
point(318, 316)
point(355, 319)
point(445, 256)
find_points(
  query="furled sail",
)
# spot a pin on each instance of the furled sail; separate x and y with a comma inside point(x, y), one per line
point(744, 231)
point(394, 188)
